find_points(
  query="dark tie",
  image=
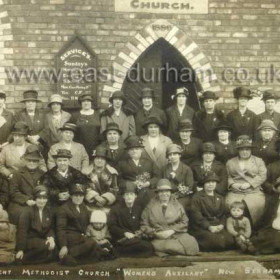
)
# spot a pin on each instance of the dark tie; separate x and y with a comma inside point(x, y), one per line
point(154, 150)
point(164, 209)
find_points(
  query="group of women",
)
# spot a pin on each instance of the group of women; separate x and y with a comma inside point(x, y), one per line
point(165, 180)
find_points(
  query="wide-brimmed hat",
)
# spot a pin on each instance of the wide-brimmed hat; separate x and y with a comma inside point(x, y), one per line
point(152, 120)
point(130, 187)
point(270, 94)
point(55, 98)
point(223, 126)
point(20, 128)
point(147, 92)
point(68, 126)
point(244, 141)
point(242, 92)
point(100, 152)
point(32, 153)
point(40, 191)
point(208, 95)
point(164, 185)
point(267, 124)
point(77, 188)
point(2, 95)
point(185, 125)
point(173, 148)
point(112, 126)
point(85, 96)
point(133, 141)
point(208, 147)
point(30, 95)
point(98, 216)
point(63, 153)
point(117, 95)
point(210, 176)
point(181, 90)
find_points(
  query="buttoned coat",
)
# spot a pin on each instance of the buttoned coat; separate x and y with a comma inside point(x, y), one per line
point(243, 125)
point(225, 152)
point(79, 160)
point(174, 117)
point(142, 116)
point(159, 156)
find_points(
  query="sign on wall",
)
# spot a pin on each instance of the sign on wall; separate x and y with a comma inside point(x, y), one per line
point(77, 66)
point(162, 6)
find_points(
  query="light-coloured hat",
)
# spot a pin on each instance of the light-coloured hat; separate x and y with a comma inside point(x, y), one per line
point(173, 148)
point(164, 185)
point(98, 216)
point(267, 124)
point(55, 98)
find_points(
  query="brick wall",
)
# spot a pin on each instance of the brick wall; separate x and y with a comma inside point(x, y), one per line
point(235, 33)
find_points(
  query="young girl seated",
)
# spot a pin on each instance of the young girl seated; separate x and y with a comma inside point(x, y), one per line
point(240, 227)
point(98, 230)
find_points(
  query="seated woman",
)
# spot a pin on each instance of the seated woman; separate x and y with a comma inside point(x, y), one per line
point(179, 174)
point(124, 226)
point(191, 146)
point(166, 222)
point(267, 238)
point(154, 142)
point(225, 148)
point(265, 147)
point(35, 235)
point(246, 174)
point(11, 156)
point(206, 164)
point(103, 188)
point(23, 183)
point(208, 217)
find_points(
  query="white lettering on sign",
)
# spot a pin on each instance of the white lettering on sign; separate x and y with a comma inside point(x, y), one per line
point(163, 6)
point(76, 52)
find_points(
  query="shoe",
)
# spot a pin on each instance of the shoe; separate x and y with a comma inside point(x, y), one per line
point(68, 261)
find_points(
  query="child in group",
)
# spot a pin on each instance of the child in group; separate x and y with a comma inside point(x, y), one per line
point(240, 227)
point(7, 238)
point(98, 230)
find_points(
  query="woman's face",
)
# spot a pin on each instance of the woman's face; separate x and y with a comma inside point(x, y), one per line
point(86, 104)
point(67, 135)
point(62, 164)
point(129, 197)
point(77, 198)
point(181, 99)
point(112, 136)
point(32, 164)
point(147, 101)
point(223, 135)
point(269, 104)
point(56, 107)
point(267, 134)
point(30, 105)
point(174, 157)
point(210, 186)
point(135, 153)
point(41, 201)
point(244, 153)
point(99, 162)
point(117, 103)
point(242, 101)
point(185, 135)
point(208, 157)
point(19, 139)
point(153, 130)
point(164, 196)
point(209, 104)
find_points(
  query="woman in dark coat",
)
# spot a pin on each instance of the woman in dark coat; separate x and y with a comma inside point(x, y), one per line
point(180, 110)
point(191, 146)
point(208, 217)
point(88, 123)
point(208, 164)
point(209, 117)
point(124, 226)
point(35, 235)
point(242, 120)
point(23, 183)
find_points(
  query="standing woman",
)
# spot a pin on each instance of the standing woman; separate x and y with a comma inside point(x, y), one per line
point(35, 235)
point(88, 123)
point(55, 119)
point(154, 142)
point(118, 114)
point(209, 217)
point(180, 110)
point(6, 121)
point(242, 120)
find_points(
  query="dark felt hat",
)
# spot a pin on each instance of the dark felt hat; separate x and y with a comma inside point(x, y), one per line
point(208, 147)
point(30, 95)
point(210, 176)
point(100, 152)
point(20, 128)
point(223, 126)
point(270, 94)
point(133, 141)
point(85, 96)
point(164, 185)
point(244, 141)
point(208, 95)
point(40, 191)
point(130, 187)
point(112, 126)
point(152, 120)
point(147, 92)
point(173, 148)
point(69, 126)
point(62, 153)
point(32, 152)
point(242, 92)
point(77, 188)
point(185, 125)
point(2, 95)
point(117, 95)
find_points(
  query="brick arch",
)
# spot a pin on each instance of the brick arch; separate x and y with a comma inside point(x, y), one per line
point(178, 39)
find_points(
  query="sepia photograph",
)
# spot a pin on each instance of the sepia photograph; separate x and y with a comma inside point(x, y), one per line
point(139, 139)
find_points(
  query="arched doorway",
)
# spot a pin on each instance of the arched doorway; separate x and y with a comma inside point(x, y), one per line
point(162, 68)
